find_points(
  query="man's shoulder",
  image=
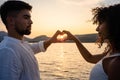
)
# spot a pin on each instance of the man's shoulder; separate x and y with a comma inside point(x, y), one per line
point(6, 52)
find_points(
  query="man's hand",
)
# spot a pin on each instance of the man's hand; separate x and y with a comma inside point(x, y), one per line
point(53, 39)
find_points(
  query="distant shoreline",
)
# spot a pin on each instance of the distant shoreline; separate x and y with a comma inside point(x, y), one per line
point(85, 38)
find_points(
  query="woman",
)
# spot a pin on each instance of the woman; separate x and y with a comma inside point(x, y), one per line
point(108, 63)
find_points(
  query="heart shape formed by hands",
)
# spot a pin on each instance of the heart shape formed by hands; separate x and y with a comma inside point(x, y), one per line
point(62, 37)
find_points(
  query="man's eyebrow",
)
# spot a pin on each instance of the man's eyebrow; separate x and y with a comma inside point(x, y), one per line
point(27, 15)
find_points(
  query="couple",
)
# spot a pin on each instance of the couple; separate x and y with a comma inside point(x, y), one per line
point(17, 60)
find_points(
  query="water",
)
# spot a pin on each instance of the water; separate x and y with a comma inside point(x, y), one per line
point(62, 61)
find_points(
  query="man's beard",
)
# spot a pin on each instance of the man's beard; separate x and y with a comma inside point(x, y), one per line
point(23, 32)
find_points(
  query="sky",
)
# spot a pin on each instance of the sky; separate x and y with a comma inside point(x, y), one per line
point(48, 16)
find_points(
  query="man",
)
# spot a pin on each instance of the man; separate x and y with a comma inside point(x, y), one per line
point(17, 60)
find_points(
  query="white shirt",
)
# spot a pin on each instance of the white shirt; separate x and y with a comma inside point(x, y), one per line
point(97, 73)
point(17, 60)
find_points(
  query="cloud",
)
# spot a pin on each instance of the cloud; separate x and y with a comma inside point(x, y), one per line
point(109, 2)
point(2, 1)
point(81, 2)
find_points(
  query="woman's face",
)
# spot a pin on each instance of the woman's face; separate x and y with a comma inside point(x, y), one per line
point(102, 31)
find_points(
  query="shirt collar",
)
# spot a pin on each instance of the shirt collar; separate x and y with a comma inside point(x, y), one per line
point(13, 39)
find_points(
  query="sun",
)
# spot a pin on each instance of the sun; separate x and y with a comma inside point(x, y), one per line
point(62, 37)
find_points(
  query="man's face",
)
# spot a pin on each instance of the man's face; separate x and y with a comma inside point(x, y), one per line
point(23, 22)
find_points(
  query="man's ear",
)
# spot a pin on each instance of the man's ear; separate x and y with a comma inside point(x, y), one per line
point(10, 21)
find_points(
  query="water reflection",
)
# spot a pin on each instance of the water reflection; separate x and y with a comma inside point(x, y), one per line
point(62, 61)
point(61, 64)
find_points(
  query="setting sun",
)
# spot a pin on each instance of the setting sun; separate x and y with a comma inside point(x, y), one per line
point(61, 37)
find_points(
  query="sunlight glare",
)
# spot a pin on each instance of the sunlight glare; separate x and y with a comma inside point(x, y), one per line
point(62, 37)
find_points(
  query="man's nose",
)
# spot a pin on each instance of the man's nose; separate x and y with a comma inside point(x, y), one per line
point(31, 21)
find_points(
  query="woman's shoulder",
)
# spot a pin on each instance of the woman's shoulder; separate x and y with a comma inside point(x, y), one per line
point(114, 61)
point(111, 66)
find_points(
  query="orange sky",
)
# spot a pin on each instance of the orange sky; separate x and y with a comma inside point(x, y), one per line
point(51, 15)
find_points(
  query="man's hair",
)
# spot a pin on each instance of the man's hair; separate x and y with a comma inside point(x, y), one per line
point(11, 7)
point(111, 16)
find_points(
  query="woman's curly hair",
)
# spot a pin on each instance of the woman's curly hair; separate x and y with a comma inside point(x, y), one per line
point(111, 16)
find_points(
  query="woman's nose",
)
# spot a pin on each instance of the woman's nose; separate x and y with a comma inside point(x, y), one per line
point(97, 29)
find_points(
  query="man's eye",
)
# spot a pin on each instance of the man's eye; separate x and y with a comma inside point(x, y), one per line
point(26, 17)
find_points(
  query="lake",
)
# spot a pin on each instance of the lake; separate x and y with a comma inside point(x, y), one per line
point(63, 61)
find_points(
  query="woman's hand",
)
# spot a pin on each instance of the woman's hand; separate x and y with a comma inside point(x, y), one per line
point(69, 35)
